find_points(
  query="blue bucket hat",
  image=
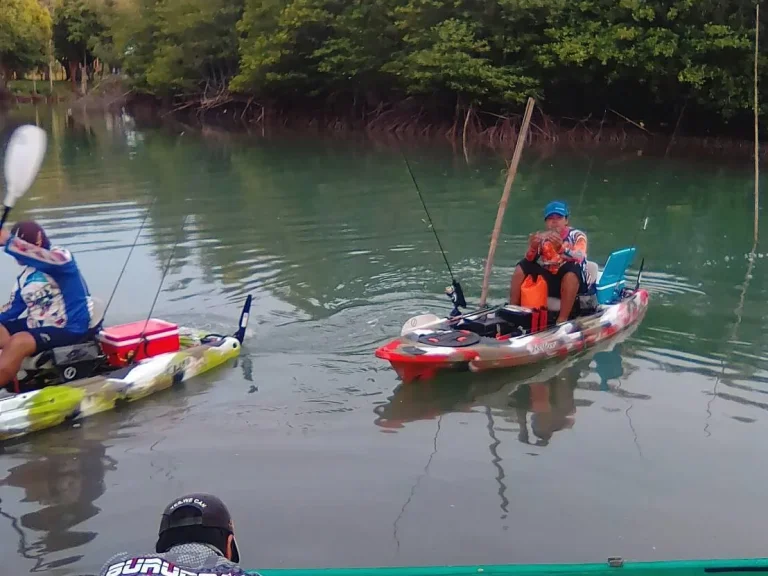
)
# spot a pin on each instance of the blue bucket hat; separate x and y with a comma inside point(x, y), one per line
point(556, 207)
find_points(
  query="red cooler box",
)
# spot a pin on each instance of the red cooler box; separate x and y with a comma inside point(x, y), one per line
point(118, 342)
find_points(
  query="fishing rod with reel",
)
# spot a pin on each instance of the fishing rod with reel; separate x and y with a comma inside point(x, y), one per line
point(454, 291)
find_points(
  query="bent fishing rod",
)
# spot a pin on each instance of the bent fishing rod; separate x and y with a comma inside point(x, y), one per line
point(455, 291)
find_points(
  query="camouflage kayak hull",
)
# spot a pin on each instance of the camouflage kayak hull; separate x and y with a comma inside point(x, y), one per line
point(421, 353)
point(24, 413)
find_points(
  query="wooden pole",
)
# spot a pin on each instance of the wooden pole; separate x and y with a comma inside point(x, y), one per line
point(505, 197)
point(757, 146)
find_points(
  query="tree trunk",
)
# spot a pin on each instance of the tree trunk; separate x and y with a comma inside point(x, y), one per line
point(72, 69)
point(83, 79)
point(3, 81)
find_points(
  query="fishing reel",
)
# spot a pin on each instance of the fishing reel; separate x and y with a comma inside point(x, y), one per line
point(456, 294)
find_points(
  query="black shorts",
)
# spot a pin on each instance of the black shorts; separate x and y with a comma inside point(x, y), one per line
point(535, 269)
point(46, 337)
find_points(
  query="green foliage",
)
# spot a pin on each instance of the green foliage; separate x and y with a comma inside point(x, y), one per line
point(576, 56)
point(680, 49)
point(25, 28)
point(497, 53)
point(77, 28)
point(181, 45)
point(451, 57)
point(102, 44)
point(280, 37)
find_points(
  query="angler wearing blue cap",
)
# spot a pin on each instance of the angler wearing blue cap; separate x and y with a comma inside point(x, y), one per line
point(559, 254)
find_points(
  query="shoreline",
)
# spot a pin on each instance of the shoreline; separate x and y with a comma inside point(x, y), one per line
point(106, 93)
point(479, 130)
point(403, 125)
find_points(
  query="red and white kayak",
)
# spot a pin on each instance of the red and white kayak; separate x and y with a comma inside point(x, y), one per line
point(450, 344)
point(501, 337)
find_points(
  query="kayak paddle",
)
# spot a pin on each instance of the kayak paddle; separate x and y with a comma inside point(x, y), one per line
point(23, 157)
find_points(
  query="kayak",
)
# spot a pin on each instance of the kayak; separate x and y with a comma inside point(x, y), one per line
point(507, 336)
point(611, 567)
point(495, 390)
point(114, 365)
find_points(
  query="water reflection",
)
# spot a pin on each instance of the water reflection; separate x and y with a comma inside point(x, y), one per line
point(551, 404)
point(335, 269)
point(64, 476)
point(546, 391)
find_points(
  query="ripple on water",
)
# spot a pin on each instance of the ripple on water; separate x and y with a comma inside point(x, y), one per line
point(337, 252)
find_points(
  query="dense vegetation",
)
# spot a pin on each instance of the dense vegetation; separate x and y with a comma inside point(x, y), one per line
point(436, 59)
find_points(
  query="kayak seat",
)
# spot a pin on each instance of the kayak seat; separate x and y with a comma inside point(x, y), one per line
point(98, 307)
point(605, 284)
point(592, 274)
point(611, 282)
point(40, 360)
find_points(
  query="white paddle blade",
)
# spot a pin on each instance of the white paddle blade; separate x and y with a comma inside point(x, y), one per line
point(23, 157)
point(420, 322)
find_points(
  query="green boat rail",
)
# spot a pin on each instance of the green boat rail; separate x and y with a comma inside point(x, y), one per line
point(610, 568)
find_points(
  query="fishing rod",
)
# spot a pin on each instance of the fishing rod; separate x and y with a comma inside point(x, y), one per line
point(454, 291)
point(165, 273)
point(142, 339)
point(125, 265)
point(646, 204)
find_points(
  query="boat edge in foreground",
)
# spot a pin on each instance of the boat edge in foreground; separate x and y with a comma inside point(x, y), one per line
point(609, 568)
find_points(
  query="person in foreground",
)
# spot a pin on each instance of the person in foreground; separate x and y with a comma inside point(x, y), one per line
point(52, 292)
point(196, 538)
point(559, 254)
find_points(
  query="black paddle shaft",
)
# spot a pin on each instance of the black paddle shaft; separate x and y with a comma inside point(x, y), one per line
point(6, 210)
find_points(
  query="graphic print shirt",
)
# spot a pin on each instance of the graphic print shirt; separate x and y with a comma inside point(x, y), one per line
point(50, 289)
point(181, 560)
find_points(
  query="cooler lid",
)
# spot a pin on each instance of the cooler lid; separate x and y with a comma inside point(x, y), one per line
point(133, 330)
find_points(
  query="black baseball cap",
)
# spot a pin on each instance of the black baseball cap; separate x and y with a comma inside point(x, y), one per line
point(213, 513)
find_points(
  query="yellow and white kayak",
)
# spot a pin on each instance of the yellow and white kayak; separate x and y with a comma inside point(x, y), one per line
point(55, 394)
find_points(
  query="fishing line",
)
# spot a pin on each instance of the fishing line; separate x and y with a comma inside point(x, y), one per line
point(456, 293)
point(646, 203)
point(125, 265)
point(142, 338)
point(165, 273)
point(431, 224)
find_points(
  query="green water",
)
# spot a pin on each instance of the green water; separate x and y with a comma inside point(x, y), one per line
point(651, 450)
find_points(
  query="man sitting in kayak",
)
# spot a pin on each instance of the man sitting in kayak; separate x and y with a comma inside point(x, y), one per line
point(52, 292)
point(196, 537)
point(559, 254)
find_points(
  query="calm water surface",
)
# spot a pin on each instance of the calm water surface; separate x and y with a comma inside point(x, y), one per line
point(651, 450)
